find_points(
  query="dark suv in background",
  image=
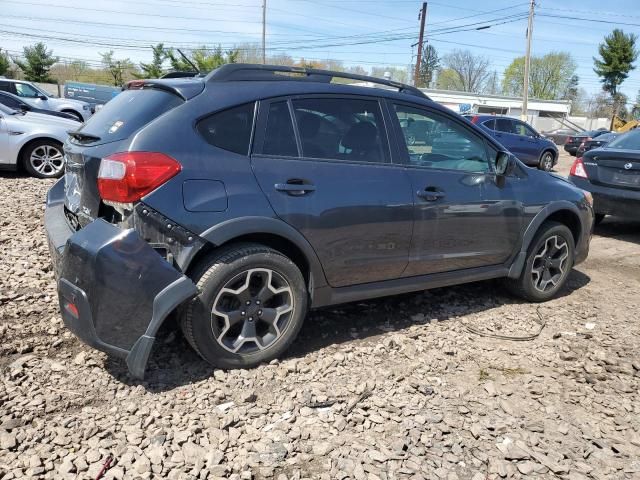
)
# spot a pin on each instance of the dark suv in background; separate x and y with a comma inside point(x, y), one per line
point(521, 139)
point(244, 198)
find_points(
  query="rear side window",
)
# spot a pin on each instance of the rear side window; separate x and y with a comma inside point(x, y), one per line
point(490, 124)
point(229, 129)
point(9, 102)
point(341, 129)
point(128, 112)
point(279, 138)
point(4, 86)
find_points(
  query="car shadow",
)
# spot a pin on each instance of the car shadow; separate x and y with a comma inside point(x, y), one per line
point(625, 229)
point(173, 362)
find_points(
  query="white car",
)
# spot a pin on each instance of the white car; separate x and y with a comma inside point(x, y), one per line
point(33, 141)
point(38, 98)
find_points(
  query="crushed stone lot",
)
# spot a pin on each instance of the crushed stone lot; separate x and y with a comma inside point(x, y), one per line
point(394, 388)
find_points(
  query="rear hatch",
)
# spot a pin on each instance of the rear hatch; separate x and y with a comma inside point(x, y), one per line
point(105, 133)
point(614, 168)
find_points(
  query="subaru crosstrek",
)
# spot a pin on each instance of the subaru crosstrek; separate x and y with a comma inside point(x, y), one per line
point(244, 198)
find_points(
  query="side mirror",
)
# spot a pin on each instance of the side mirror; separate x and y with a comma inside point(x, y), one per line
point(504, 163)
point(42, 97)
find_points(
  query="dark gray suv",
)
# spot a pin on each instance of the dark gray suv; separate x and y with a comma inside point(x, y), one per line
point(244, 198)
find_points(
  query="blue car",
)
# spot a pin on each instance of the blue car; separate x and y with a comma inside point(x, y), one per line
point(521, 139)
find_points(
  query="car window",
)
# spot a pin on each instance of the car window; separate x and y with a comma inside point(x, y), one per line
point(504, 125)
point(626, 141)
point(229, 129)
point(341, 129)
point(440, 142)
point(9, 102)
point(523, 129)
point(279, 137)
point(4, 86)
point(490, 124)
point(25, 90)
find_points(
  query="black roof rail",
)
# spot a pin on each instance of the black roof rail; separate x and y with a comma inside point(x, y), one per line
point(256, 72)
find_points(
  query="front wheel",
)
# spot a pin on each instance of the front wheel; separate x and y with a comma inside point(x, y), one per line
point(549, 261)
point(251, 305)
point(546, 162)
point(43, 159)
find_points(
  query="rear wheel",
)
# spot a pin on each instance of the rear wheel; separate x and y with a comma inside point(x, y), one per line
point(251, 306)
point(549, 261)
point(546, 161)
point(43, 159)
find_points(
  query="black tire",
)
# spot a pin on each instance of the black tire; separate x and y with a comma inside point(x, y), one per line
point(215, 277)
point(599, 217)
point(52, 163)
point(546, 161)
point(526, 285)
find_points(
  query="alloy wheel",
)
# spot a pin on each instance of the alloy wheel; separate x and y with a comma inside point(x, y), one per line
point(252, 311)
point(549, 263)
point(47, 160)
point(547, 162)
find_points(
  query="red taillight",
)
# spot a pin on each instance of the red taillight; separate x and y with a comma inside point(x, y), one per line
point(578, 170)
point(128, 176)
point(475, 119)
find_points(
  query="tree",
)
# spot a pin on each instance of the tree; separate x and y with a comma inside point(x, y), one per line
point(466, 72)
point(447, 79)
point(153, 69)
point(549, 76)
point(635, 111)
point(617, 54)
point(37, 63)
point(5, 63)
point(571, 90)
point(492, 87)
point(116, 68)
point(204, 58)
point(429, 65)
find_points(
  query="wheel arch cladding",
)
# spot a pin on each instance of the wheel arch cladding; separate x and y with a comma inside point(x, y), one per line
point(563, 212)
point(272, 233)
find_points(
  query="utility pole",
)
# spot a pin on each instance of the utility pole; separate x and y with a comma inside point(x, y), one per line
point(423, 16)
point(527, 63)
point(264, 31)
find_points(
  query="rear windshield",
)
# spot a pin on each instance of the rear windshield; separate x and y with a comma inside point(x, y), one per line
point(628, 141)
point(127, 113)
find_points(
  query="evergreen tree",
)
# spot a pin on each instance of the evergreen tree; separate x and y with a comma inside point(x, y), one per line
point(617, 54)
point(429, 65)
point(37, 63)
point(153, 69)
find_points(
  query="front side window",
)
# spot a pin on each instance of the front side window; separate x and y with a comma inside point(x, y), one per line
point(435, 141)
point(27, 91)
point(504, 125)
point(523, 129)
point(341, 129)
point(229, 129)
point(279, 137)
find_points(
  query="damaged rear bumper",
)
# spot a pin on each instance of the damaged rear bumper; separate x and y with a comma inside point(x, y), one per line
point(114, 289)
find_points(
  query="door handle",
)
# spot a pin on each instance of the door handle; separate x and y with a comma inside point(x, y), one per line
point(430, 194)
point(295, 188)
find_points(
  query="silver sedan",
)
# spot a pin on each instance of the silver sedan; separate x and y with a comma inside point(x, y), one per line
point(33, 141)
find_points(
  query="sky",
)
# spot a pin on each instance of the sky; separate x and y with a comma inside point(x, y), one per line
point(365, 32)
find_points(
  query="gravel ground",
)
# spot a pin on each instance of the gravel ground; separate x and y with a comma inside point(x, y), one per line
point(388, 389)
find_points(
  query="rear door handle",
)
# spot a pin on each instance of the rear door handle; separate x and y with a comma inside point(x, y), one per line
point(431, 194)
point(295, 188)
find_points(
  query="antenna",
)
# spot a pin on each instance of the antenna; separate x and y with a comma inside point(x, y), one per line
point(186, 59)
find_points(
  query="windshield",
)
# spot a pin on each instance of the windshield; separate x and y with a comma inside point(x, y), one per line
point(6, 110)
point(628, 141)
